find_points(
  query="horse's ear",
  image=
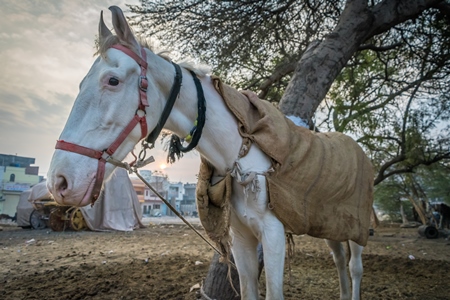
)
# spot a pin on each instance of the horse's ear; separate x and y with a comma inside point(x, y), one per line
point(121, 26)
point(103, 31)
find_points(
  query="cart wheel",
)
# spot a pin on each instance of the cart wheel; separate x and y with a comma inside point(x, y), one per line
point(57, 219)
point(77, 220)
point(36, 220)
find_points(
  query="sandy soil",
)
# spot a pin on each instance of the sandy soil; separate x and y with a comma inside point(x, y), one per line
point(165, 261)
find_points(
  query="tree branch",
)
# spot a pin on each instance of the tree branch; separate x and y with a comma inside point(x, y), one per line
point(279, 73)
point(443, 7)
point(408, 169)
point(320, 65)
point(378, 49)
point(389, 13)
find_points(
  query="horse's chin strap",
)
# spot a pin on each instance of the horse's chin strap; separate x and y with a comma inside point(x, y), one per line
point(140, 117)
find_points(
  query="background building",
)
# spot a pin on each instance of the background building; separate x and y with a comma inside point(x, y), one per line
point(180, 196)
point(152, 204)
point(188, 205)
point(17, 175)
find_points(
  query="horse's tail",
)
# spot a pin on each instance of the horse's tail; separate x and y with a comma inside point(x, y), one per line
point(375, 222)
point(349, 251)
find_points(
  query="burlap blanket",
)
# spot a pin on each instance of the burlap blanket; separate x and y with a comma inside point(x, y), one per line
point(322, 184)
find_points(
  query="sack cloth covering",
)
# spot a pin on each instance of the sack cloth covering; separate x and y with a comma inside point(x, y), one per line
point(214, 207)
point(323, 182)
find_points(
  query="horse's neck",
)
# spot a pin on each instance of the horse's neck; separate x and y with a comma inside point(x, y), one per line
point(220, 141)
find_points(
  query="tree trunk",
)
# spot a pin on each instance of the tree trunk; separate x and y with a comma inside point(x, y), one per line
point(217, 283)
point(420, 211)
point(324, 60)
point(402, 212)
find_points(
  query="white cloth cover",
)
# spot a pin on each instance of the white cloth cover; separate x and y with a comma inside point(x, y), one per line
point(117, 208)
point(27, 198)
point(39, 192)
point(24, 209)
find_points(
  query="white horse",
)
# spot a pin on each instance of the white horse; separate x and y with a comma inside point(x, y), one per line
point(100, 119)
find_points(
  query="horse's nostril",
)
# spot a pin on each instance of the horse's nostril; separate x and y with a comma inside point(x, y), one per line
point(61, 185)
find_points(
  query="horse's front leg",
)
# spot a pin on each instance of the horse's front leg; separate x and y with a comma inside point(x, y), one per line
point(271, 234)
point(274, 249)
point(266, 227)
point(244, 248)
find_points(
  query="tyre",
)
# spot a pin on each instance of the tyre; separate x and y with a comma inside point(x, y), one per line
point(37, 220)
point(77, 221)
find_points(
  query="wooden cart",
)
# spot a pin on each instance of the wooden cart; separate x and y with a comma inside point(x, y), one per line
point(47, 213)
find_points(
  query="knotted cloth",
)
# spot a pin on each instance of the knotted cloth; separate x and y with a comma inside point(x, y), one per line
point(322, 184)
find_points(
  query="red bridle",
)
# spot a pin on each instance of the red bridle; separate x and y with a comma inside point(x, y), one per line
point(104, 155)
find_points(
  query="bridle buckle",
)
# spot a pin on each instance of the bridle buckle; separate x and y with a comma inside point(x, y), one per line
point(143, 83)
point(105, 155)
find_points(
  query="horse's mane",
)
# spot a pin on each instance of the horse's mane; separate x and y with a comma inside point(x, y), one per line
point(200, 69)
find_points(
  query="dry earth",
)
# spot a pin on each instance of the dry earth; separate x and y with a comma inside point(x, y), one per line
point(165, 261)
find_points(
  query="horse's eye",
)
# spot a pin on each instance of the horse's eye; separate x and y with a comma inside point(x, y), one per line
point(113, 81)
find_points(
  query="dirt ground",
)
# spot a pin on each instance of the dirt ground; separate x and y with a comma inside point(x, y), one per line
point(165, 261)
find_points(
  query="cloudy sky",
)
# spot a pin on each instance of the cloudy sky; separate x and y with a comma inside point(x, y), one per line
point(46, 48)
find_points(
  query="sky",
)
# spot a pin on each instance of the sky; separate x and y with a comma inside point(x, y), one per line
point(46, 48)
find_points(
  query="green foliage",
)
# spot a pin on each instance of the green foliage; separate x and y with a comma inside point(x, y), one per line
point(436, 182)
point(388, 198)
point(428, 183)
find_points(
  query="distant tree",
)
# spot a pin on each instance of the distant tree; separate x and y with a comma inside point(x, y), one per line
point(428, 184)
point(436, 182)
point(393, 197)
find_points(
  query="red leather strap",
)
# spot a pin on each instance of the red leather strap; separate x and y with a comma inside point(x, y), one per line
point(142, 62)
point(66, 146)
point(98, 180)
point(143, 83)
point(144, 127)
point(123, 135)
point(63, 145)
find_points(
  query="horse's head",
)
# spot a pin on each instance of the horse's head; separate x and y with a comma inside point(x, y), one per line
point(106, 116)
